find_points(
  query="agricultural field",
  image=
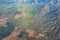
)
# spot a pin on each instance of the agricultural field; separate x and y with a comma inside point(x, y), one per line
point(29, 19)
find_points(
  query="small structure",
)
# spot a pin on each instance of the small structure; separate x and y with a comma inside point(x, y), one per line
point(41, 35)
point(31, 33)
point(3, 21)
point(17, 16)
